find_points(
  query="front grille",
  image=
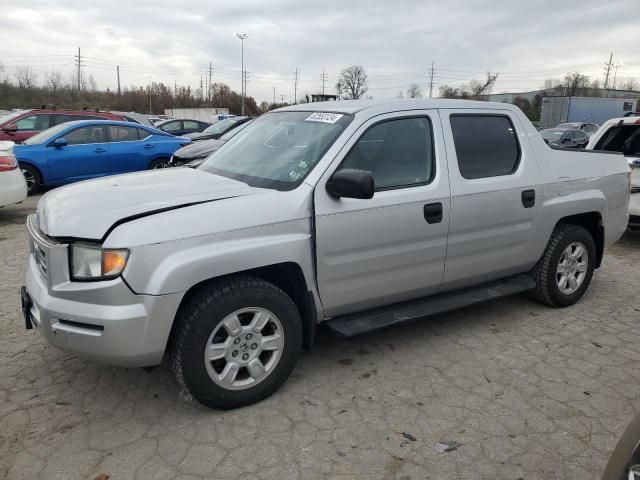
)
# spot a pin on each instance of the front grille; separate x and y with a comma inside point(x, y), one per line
point(40, 244)
point(41, 258)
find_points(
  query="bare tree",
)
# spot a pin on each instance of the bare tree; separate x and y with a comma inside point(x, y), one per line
point(477, 88)
point(354, 80)
point(629, 84)
point(552, 83)
point(447, 91)
point(575, 81)
point(26, 77)
point(54, 81)
point(414, 91)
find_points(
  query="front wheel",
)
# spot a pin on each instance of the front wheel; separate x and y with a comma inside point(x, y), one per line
point(235, 342)
point(565, 270)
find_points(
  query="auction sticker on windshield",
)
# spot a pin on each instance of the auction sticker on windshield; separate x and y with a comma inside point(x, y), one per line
point(324, 117)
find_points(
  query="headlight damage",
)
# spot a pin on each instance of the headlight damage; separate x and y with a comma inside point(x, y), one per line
point(92, 262)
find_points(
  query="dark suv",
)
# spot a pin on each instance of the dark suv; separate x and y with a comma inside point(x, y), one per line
point(18, 126)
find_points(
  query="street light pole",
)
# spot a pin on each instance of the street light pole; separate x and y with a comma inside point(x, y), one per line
point(242, 37)
point(150, 93)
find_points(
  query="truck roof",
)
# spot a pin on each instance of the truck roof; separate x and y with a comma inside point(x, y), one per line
point(355, 106)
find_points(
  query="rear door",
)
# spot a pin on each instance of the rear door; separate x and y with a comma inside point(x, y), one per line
point(391, 247)
point(130, 148)
point(495, 196)
point(85, 156)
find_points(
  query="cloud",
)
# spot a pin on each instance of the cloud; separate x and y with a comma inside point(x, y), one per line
point(524, 41)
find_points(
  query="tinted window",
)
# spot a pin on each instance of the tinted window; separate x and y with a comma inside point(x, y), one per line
point(399, 153)
point(191, 125)
point(123, 134)
point(84, 135)
point(33, 122)
point(171, 127)
point(625, 139)
point(486, 145)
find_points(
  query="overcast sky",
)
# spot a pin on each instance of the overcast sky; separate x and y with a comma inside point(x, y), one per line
point(525, 41)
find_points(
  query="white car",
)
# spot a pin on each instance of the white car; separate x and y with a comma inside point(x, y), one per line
point(13, 188)
point(623, 135)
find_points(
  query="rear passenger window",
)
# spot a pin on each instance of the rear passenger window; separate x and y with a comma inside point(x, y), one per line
point(123, 134)
point(486, 145)
point(399, 153)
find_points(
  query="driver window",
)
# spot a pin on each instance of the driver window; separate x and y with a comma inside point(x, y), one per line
point(399, 153)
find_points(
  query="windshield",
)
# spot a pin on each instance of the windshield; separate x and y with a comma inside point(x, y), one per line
point(45, 135)
point(623, 138)
point(569, 126)
point(552, 135)
point(221, 126)
point(9, 116)
point(277, 150)
point(230, 134)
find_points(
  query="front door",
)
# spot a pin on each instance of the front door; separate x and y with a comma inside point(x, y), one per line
point(495, 196)
point(86, 155)
point(391, 247)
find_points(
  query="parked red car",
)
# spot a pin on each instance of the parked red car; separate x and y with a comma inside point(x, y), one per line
point(18, 126)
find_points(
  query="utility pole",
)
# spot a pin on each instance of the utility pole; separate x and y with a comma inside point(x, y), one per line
point(282, 99)
point(607, 73)
point(118, 71)
point(323, 77)
point(209, 89)
point(295, 86)
point(431, 81)
point(274, 95)
point(242, 37)
point(175, 88)
point(79, 63)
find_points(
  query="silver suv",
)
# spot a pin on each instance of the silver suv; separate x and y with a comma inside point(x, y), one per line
point(358, 215)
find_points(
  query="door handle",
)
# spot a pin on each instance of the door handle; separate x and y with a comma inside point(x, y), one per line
point(528, 198)
point(100, 150)
point(149, 145)
point(433, 212)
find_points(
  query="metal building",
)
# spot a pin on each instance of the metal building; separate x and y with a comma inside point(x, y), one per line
point(598, 110)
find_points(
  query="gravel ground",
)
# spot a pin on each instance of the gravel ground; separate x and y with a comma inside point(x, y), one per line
point(527, 391)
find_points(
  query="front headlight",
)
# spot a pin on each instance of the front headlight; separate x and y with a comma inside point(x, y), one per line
point(92, 262)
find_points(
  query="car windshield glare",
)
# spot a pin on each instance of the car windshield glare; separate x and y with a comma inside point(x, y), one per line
point(45, 135)
point(551, 134)
point(221, 126)
point(278, 150)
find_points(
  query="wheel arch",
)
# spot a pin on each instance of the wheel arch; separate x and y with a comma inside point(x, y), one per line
point(289, 277)
point(592, 222)
point(34, 166)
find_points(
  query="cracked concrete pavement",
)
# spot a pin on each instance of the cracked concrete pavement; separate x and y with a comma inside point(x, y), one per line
point(528, 391)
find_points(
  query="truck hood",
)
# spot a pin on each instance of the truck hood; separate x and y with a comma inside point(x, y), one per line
point(90, 209)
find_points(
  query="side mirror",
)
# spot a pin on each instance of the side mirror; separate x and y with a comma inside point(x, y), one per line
point(12, 127)
point(60, 142)
point(351, 183)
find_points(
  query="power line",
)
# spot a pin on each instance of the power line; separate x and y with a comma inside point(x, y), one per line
point(323, 77)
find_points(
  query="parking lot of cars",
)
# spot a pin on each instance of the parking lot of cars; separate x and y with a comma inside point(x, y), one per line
point(526, 390)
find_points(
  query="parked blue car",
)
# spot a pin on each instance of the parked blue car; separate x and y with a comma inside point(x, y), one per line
point(86, 149)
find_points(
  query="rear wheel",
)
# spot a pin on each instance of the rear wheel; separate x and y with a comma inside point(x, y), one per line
point(565, 270)
point(159, 163)
point(235, 342)
point(32, 177)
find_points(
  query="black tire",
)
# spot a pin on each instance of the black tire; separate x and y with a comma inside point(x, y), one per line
point(547, 290)
point(203, 311)
point(159, 163)
point(32, 177)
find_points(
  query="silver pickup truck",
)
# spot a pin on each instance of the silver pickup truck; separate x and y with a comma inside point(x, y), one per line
point(358, 215)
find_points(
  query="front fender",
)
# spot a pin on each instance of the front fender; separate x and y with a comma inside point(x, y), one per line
point(177, 266)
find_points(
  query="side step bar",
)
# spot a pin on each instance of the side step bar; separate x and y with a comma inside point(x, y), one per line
point(371, 320)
